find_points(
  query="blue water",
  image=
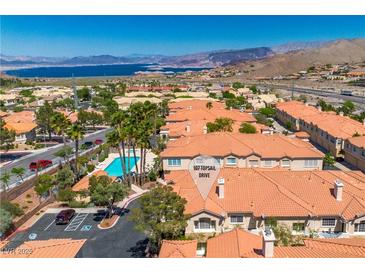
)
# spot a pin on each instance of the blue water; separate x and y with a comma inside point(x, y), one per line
point(115, 168)
point(93, 71)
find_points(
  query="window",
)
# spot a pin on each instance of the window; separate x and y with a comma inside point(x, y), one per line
point(329, 222)
point(310, 163)
point(360, 227)
point(201, 249)
point(174, 162)
point(268, 163)
point(285, 163)
point(204, 223)
point(253, 163)
point(231, 161)
point(236, 219)
point(298, 226)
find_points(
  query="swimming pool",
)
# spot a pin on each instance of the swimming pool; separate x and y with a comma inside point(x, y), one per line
point(115, 168)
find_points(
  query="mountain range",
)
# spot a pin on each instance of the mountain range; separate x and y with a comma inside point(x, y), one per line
point(265, 60)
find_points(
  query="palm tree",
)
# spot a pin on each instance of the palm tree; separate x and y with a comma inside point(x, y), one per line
point(209, 105)
point(59, 123)
point(18, 171)
point(5, 178)
point(76, 132)
point(113, 139)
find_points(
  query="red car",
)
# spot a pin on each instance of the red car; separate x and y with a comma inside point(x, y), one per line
point(98, 142)
point(65, 216)
point(40, 164)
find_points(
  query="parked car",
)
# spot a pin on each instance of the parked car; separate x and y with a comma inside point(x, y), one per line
point(40, 164)
point(98, 142)
point(88, 144)
point(65, 216)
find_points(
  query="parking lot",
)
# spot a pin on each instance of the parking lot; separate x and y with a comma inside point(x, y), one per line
point(121, 241)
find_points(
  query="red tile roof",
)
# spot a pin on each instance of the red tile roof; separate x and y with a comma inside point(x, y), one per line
point(178, 249)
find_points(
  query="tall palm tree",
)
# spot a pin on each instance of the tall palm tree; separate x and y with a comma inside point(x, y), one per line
point(5, 178)
point(18, 171)
point(76, 132)
point(113, 139)
point(59, 123)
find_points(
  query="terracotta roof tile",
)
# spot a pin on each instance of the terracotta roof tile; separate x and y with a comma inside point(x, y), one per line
point(178, 249)
point(83, 184)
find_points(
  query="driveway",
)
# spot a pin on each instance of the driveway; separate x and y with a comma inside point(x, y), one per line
point(121, 241)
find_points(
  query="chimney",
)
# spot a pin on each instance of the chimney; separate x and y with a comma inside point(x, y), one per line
point(363, 122)
point(338, 189)
point(268, 241)
point(221, 188)
point(205, 130)
point(319, 108)
point(341, 113)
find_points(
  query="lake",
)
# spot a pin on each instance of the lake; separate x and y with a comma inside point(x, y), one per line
point(95, 70)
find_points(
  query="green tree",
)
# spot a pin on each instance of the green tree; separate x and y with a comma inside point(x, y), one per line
point(247, 128)
point(12, 208)
point(43, 118)
point(84, 94)
point(161, 216)
point(59, 124)
point(66, 195)
point(19, 172)
point(7, 137)
point(237, 85)
point(65, 177)
point(6, 221)
point(268, 112)
point(64, 152)
point(113, 139)
point(329, 160)
point(5, 179)
point(76, 132)
point(220, 124)
point(348, 107)
point(44, 184)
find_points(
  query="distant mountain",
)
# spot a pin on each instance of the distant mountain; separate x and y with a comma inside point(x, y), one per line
point(334, 52)
point(282, 59)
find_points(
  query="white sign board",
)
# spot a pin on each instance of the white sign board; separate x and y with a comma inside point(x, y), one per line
point(204, 170)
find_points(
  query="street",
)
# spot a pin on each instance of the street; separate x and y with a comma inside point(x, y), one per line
point(47, 154)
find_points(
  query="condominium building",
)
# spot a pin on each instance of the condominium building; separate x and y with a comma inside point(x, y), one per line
point(305, 201)
point(354, 151)
point(326, 129)
point(243, 150)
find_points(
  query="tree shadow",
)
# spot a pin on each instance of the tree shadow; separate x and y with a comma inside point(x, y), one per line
point(139, 250)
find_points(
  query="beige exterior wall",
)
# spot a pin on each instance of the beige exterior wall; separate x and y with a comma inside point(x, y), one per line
point(250, 222)
point(355, 156)
point(250, 161)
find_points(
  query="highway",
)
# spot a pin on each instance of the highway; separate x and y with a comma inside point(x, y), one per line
point(360, 100)
point(47, 154)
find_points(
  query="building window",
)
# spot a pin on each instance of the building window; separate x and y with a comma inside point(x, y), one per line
point(174, 162)
point(231, 161)
point(253, 163)
point(310, 163)
point(204, 224)
point(236, 219)
point(360, 227)
point(268, 163)
point(298, 226)
point(329, 222)
point(285, 163)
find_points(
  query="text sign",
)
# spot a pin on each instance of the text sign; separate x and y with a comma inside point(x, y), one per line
point(204, 170)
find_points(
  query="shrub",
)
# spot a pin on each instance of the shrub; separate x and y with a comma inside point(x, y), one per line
point(77, 204)
point(12, 208)
point(90, 168)
point(247, 128)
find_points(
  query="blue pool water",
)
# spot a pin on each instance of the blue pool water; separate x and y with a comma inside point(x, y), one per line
point(115, 168)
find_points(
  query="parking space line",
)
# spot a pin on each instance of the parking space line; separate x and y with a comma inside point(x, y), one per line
point(49, 225)
point(76, 222)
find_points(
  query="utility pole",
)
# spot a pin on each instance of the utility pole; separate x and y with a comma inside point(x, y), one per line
point(76, 99)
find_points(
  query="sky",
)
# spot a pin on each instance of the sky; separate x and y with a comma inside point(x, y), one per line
point(69, 36)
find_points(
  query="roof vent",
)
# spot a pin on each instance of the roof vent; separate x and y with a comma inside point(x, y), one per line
point(221, 188)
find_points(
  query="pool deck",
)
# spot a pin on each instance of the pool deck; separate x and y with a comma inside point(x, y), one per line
point(149, 160)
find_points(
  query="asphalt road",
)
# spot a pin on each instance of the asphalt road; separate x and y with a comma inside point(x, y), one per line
point(360, 100)
point(121, 241)
point(47, 154)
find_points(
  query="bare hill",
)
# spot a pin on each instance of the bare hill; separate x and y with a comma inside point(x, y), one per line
point(337, 52)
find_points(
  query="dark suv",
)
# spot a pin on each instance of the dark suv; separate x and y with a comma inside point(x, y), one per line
point(65, 216)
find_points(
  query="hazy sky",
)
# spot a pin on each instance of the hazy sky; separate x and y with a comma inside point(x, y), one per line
point(169, 35)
